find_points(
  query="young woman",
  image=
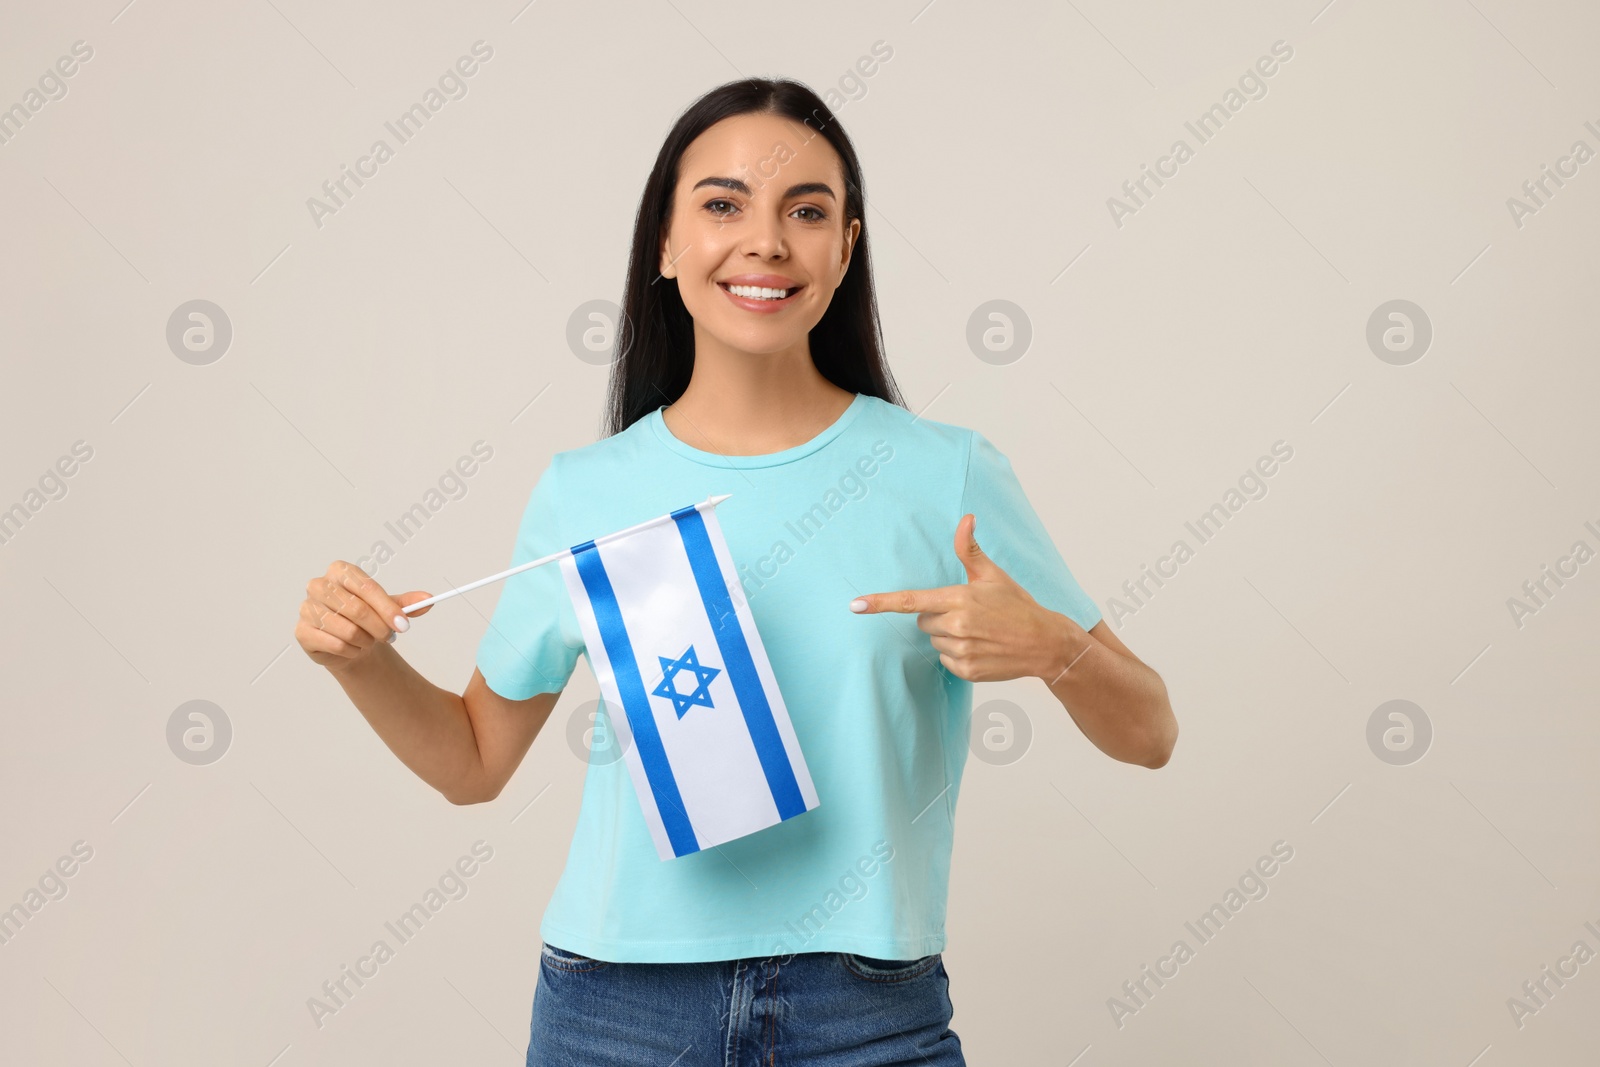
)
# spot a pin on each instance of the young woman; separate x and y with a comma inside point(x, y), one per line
point(750, 365)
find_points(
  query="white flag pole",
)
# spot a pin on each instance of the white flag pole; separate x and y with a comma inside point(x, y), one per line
point(710, 501)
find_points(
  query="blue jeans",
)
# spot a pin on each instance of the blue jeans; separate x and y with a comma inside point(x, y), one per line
point(808, 1009)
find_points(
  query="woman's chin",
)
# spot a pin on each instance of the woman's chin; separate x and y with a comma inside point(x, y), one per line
point(757, 341)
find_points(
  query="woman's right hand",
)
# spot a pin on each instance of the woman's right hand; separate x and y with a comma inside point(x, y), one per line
point(346, 614)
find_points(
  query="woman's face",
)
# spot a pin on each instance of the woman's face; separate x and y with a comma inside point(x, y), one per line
point(759, 206)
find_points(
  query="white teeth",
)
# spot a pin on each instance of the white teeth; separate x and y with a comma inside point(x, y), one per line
point(754, 292)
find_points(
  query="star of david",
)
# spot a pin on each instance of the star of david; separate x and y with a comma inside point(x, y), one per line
point(703, 676)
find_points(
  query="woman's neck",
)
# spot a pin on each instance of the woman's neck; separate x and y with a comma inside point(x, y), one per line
point(754, 405)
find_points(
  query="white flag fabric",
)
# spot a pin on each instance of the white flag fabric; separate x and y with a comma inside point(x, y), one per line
point(671, 640)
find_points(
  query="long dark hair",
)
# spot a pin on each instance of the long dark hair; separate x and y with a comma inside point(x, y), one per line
point(655, 340)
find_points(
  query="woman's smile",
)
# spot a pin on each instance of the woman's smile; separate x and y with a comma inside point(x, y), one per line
point(763, 294)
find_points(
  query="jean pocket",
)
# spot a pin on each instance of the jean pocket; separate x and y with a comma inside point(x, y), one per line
point(562, 960)
point(873, 969)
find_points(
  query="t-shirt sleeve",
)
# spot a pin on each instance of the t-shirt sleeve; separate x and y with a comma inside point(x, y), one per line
point(1011, 533)
point(528, 647)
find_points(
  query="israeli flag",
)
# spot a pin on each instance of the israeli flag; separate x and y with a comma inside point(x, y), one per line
point(672, 643)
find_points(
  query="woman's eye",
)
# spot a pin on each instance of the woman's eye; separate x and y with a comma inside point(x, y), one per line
point(721, 208)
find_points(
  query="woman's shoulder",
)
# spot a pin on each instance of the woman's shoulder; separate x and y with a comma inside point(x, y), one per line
point(619, 449)
point(919, 430)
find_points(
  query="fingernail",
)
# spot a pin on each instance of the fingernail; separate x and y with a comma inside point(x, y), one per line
point(858, 605)
point(392, 636)
point(402, 623)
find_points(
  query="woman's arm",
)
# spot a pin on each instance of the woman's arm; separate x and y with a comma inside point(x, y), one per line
point(1118, 702)
point(467, 747)
point(992, 630)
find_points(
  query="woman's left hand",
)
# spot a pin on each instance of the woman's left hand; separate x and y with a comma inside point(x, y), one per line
point(987, 630)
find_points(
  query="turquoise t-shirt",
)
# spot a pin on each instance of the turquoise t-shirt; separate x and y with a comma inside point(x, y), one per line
point(869, 505)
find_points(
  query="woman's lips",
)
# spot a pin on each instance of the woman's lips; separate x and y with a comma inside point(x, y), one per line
point(761, 306)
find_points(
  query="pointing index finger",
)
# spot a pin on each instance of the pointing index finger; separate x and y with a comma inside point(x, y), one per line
point(905, 601)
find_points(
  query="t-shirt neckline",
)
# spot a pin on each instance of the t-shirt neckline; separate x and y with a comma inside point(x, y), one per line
point(771, 459)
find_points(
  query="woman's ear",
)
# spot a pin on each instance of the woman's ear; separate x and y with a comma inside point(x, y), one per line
point(668, 269)
point(851, 233)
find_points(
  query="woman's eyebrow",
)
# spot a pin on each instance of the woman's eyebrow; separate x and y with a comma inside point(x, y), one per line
point(800, 189)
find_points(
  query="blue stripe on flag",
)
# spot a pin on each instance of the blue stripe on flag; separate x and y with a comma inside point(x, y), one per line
point(742, 673)
point(642, 720)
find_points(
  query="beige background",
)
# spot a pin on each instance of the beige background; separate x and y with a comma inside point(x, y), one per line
point(1168, 354)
